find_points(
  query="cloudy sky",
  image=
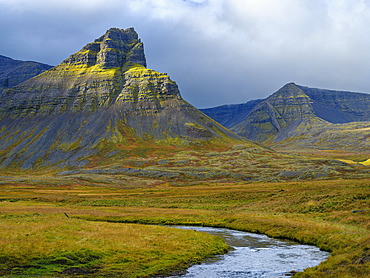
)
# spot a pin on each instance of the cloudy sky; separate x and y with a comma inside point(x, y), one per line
point(218, 51)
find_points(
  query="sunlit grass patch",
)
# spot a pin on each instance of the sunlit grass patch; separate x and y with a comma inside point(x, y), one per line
point(35, 244)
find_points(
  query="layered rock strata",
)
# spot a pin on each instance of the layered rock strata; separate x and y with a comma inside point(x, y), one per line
point(103, 93)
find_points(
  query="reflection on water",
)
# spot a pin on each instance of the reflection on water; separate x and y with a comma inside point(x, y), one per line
point(254, 255)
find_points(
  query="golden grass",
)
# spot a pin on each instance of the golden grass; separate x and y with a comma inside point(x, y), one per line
point(332, 214)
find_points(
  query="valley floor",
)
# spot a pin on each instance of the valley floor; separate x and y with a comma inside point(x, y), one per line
point(82, 225)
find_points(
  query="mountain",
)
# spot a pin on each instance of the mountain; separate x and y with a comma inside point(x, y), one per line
point(231, 115)
point(101, 96)
point(294, 109)
point(14, 72)
point(301, 117)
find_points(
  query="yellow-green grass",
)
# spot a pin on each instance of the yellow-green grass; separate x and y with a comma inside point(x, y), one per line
point(332, 214)
point(351, 155)
point(52, 244)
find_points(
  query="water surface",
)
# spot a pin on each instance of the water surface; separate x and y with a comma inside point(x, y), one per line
point(254, 255)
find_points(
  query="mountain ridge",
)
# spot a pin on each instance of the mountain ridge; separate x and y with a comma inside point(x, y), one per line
point(14, 72)
point(230, 115)
point(340, 111)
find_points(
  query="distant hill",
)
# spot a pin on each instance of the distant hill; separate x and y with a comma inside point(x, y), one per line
point(295, 111)
point(293, 108)
point(99, 99)
point(231, 115)
point(14, 72)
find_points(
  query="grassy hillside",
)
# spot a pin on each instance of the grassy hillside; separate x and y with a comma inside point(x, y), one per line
point(349, 137)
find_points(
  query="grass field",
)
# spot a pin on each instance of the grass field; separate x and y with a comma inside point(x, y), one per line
point(36, 244)
point(99, 239)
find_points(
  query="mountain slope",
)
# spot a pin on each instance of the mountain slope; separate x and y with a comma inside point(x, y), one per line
point(338, 106)
point(101, 95)
point(231, 115)
point(14, 72)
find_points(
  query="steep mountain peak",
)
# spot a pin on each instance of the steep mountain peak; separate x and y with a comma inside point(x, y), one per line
point(117, 48)
point(290, 90)
point(290, 84)
point(100, 100)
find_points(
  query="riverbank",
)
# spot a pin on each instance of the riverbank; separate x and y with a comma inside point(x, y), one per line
point(331, 214)
point(249, 253)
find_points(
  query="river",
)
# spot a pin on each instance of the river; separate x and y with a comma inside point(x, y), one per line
point(254, 255)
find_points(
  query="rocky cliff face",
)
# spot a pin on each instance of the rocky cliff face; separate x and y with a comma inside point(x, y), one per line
point(116, 48)
point(87, 80)
point(103, 94)
point(14, 72)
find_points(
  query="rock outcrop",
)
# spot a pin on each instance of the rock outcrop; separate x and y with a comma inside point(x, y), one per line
point(99, 96)
point(116, 48)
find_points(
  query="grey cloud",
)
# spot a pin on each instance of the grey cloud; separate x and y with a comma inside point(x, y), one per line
point(217, 51)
